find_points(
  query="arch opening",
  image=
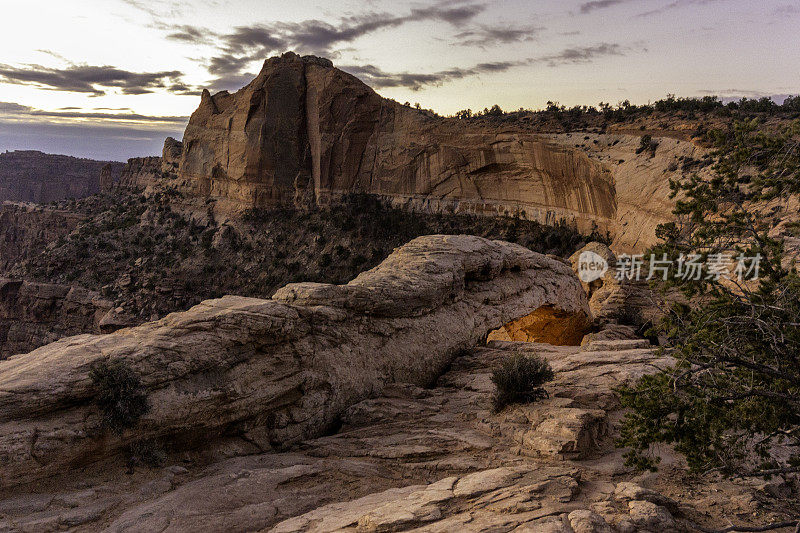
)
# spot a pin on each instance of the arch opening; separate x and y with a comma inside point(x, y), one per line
point(546, 325)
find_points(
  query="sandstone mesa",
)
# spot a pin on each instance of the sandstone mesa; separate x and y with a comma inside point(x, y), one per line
point(306, 133)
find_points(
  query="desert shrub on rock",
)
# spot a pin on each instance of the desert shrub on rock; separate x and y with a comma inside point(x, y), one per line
point(520, 379)
point(647, 144)
point(119, 394)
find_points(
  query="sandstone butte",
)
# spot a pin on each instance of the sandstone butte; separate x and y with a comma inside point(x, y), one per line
point(306, 133)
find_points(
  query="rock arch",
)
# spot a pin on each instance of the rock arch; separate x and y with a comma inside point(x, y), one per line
point(281, 370)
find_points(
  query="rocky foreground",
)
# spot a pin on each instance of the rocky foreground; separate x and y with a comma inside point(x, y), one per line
point(418, 459)
point(357, 407)
point(273, 372)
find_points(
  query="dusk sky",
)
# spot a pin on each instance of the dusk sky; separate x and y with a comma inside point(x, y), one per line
point(109, 79)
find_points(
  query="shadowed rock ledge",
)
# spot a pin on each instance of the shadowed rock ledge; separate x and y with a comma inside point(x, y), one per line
point(276, 371)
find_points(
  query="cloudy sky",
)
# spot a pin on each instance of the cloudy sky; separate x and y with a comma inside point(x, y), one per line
point(109, 79)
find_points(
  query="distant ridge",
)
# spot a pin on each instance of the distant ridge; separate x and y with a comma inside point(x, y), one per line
point(34, 176)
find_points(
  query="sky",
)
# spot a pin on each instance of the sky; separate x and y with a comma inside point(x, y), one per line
point(110, 79)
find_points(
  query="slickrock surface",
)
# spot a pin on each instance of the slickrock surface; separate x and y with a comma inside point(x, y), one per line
point(416, 459)
point(274, 372)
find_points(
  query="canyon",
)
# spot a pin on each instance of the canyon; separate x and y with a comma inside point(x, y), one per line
point(310, 292)
point(33, 176)
point(304, 133)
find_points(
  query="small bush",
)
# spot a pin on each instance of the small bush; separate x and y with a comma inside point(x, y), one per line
point(519, 379)
point(120, 396)
point(146, 452)
point(647, 144)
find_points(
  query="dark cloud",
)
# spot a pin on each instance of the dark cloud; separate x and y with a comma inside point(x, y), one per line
point(677, 4)
point(231, 82)
point(594, 5)
point(89, 79)
point(158, 9)
point(189, 34)
point(581, 54)
point(246, 44)
point(13, 108)
point(317, 36)
point(494, 35)
point(377, 78)
point(228, 63)
point(12, 111)
point(588, 7)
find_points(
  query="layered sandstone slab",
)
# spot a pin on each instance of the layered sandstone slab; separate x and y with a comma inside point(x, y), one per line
point(305, 132)
point(418, 459)
point(281, 370)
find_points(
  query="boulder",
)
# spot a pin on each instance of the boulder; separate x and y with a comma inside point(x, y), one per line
point(615, 300)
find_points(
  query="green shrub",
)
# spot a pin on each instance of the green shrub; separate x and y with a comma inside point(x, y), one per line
point(519, 379)
point(647, 144)
point(146, 452)
point(119, 394)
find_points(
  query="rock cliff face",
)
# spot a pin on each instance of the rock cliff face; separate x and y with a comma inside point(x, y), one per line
point(276, 371)
point(139, 172)
point(33, 314)
point(171, 158)
point(641, 180)
point(25, 228)
point(32, 176)
point(305, 132)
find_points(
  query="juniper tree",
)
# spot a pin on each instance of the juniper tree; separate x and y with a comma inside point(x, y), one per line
point(734, 391)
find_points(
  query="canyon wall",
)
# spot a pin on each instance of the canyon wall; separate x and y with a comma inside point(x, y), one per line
point(32, 176)
point(33, 314)
point(26, 228)
point(303, 132)
point(139, 172)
